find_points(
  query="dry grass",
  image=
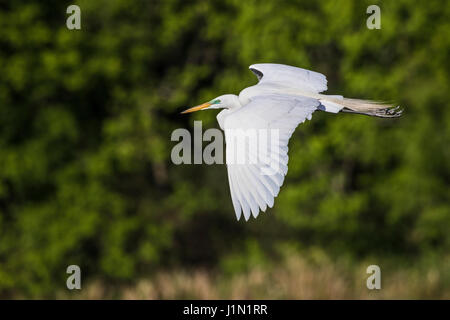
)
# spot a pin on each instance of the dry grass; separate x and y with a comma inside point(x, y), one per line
point(295, 278)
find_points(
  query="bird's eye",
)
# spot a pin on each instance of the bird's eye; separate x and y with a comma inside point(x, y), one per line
point(215, 101)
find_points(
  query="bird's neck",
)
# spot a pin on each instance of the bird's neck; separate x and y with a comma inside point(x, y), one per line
point(234, 102)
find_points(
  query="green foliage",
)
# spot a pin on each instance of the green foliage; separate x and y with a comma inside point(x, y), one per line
point(86, 117)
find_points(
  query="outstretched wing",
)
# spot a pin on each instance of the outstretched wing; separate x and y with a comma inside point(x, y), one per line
point(289, 76)
point(256, 168)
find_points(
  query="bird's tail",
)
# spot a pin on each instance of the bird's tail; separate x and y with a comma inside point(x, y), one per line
point(368, 107)
point(371, 108)
point(336, 103)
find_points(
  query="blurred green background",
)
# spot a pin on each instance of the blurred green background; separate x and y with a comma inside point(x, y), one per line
point(86, 176)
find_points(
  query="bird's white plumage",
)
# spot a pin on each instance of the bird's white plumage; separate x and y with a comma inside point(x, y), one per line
point(289, 76)
point(277, 102)
point(283, 98)
point(252, 187)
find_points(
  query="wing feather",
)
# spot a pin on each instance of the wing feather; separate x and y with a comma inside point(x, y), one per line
point(237, 183)
point(234, 195)
point(254, 186)
point(289, 76)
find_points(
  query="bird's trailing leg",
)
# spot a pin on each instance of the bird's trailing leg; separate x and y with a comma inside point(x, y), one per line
point(391, 112)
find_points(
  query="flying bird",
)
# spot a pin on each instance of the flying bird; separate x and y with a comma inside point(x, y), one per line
point(284, 97)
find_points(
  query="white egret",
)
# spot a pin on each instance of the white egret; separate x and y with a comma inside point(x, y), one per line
point(284, 97)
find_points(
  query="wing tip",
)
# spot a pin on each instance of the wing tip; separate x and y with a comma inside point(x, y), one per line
point(256, 72)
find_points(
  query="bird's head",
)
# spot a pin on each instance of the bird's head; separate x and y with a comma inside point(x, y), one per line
point(227, 101)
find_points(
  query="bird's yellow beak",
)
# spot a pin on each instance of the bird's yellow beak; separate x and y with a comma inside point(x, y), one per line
point(197, 108)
